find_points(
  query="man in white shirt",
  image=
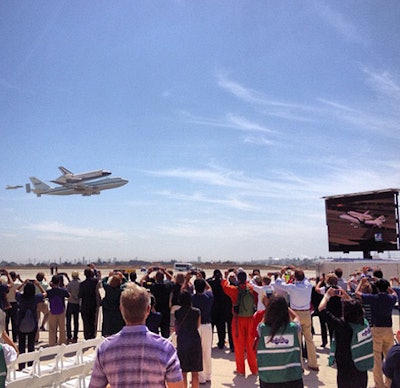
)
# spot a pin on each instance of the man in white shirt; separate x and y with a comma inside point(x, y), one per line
point(300, 299)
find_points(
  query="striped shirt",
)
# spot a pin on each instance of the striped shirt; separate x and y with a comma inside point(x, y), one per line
point(135, 357)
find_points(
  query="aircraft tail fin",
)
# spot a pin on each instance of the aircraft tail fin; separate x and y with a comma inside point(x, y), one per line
point(39, 185)
point(64, 170)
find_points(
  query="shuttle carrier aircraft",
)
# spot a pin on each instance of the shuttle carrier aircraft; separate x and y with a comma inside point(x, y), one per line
point(85, 189)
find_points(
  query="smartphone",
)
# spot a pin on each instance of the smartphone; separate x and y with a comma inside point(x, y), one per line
point(336, 292)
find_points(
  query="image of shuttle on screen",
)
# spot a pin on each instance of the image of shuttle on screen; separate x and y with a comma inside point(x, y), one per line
point(367, 221)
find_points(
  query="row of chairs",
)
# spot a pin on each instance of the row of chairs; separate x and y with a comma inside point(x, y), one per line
point(55, 366)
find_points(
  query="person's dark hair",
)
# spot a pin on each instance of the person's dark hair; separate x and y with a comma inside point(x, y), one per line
point(56, 279)
point(29, 290)
point(242, 277)
point(185, 300)
point(276, 314)
point(339, 272)
point(199, 285)
point(353, 311)
point(133, 276)
point(88, 273)
point(377, 273)
point(217, 274)
point(159, 277)
point(299, 274)
point(40, 276)
point(382, 285)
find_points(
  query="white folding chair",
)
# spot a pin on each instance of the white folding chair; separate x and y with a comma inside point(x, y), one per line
point(23, 358)
point(46, 380)
point(89, 348)
point(70, 355)
point(72, 376)
point(48, 360)
point(21, 382)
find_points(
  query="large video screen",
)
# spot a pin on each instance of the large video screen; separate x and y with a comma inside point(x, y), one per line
point(363, 221)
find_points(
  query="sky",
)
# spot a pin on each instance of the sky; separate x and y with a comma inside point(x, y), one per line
point(230, 119)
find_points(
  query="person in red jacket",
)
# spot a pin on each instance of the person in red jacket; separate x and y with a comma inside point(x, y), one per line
point(242, 327)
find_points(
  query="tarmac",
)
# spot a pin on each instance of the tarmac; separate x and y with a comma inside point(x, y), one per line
point(223, 361)
point(223, 364)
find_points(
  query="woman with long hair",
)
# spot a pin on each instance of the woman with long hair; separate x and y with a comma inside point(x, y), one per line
point(187, 322)
point(27, 303)
point(278, 347)
point(348, 374)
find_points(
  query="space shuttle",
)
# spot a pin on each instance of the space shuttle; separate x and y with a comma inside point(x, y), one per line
point(68, 177)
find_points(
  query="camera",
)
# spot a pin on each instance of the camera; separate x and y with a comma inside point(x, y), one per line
point(193, 272)
point(336, 292)
point(156, 268)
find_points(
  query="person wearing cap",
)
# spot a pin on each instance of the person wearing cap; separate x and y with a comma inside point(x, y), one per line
point(73, 307)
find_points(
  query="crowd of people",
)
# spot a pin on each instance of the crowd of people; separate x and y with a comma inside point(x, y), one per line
point(264, 319)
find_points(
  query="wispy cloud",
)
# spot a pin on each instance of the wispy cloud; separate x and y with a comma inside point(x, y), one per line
point(252, 96)
point(230, 120)
point(384, 83)
point(280, 184)
point(323, 109)
point(340, 23)
point(231, 201)
point(58, 231)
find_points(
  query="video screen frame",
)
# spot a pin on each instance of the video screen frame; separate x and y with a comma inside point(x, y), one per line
point(367, 221)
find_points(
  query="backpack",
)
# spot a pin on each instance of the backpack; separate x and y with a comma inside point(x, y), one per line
point(27, 323)
point(361, 346)
point(245, 303)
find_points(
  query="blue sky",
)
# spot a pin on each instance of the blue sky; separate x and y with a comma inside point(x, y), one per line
point(230, 119)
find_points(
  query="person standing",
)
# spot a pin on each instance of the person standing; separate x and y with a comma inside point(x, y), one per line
point(203, 300)
point(136, 357)
point(382, 305)
point(112, 317)
point(391, 367)
point(348, 375)
point(189, 347)
point(42, 307)
point(242, 325)
point(28, 300)
point(12, 313)
point(56, 296)
point(89, 296)
point(300, 301)
point(73, 308)
point(221, 312)
point(162, 292)
point(278, 346)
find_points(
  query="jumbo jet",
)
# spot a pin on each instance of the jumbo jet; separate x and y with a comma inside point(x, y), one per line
point(68, 177)
point(85, 189)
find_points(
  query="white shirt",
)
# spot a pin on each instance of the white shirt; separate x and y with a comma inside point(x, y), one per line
point(261, 292)
point(299, 292)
